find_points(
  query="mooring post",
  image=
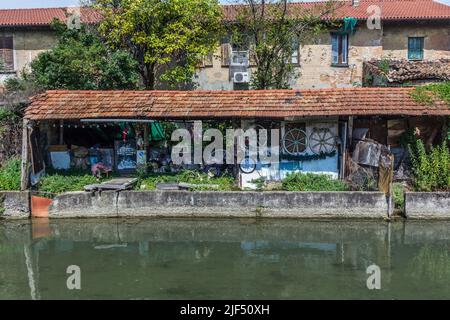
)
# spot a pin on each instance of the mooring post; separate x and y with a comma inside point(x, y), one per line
point(25, 167)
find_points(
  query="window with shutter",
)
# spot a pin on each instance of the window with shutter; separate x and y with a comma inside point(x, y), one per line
point(415, 48)
point(7, 53)
point(339, 49)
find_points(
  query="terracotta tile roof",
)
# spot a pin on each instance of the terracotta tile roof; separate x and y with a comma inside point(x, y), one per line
point(54, 105)
point(401, 71)
point(42, 16)
point(390, 9)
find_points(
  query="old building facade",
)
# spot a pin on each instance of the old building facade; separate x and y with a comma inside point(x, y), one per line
point(24, 33)
point(408, 29)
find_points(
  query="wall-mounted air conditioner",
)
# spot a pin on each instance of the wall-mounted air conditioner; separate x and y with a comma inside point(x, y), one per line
point(241, 77)
point(239, 58)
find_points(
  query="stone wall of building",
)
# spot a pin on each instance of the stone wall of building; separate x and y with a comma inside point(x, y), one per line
point(315, 68)
point(436, 40)
point(27, 46)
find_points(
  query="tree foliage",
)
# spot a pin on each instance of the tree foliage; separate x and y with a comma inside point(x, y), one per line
point(274, 29)
point(168, 38)
point(81, 60)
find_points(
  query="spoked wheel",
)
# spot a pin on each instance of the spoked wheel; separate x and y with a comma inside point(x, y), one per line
point(294, 141)
point(247, 165)
point(322, 141)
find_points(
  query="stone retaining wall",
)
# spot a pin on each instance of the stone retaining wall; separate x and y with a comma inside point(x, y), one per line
point(220, 204)
point(427, 205)
point(14, 204)
point(418, 205)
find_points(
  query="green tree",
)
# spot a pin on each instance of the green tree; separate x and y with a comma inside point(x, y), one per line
point(168, 38)
point(274, 30)
point(81, 60)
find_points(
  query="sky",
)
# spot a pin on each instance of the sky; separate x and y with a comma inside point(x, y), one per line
point(9, 4)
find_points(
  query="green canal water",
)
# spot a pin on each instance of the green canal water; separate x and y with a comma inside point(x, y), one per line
point(224, 259)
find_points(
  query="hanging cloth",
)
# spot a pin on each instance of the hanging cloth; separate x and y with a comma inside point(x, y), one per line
point(349, 25)
point(156, 132)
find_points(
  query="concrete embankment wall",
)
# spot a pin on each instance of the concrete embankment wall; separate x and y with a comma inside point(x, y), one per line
point(220, 204)
point(418, 205)
point(14, 204)
point(427, 205)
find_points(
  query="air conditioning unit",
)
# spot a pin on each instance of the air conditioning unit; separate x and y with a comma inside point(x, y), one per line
point(241, 77)
point(239, 58)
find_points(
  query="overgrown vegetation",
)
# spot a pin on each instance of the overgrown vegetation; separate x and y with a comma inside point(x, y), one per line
point(428, 93)
point(398, 194)
point(81, 61)
point(10, 175)
point(10, 133)
point(167, 38)
point(431, 169)
point(223, 182)
point(312, 182)
point(65, 181)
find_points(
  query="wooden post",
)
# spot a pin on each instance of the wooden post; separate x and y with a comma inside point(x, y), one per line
point(146, 142)
point(61, 132)
point(25, 174)
point(391, 195)
point(350, 130)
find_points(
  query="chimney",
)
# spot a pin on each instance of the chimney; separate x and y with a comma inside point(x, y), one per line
point(355, 3)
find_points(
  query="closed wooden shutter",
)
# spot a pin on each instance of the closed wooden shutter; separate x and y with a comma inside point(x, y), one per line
point(225, 54)
point(7, 53)
point(415, 48)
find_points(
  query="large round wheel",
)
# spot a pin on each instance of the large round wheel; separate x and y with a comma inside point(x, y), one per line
point(294, 141)
point(247, 165)
point(322, 141)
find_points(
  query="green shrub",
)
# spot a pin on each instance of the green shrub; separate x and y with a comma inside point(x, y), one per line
point(10, 175)
point(312, 182)
point(398, 194)
point(224, 182)
point(60, 182)
point(427, 93)
point(431, 169)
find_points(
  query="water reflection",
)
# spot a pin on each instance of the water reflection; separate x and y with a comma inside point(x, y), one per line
point(204, 259)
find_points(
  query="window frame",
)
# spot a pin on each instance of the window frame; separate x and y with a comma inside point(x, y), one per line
point(412, 56)
point(341, 40)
